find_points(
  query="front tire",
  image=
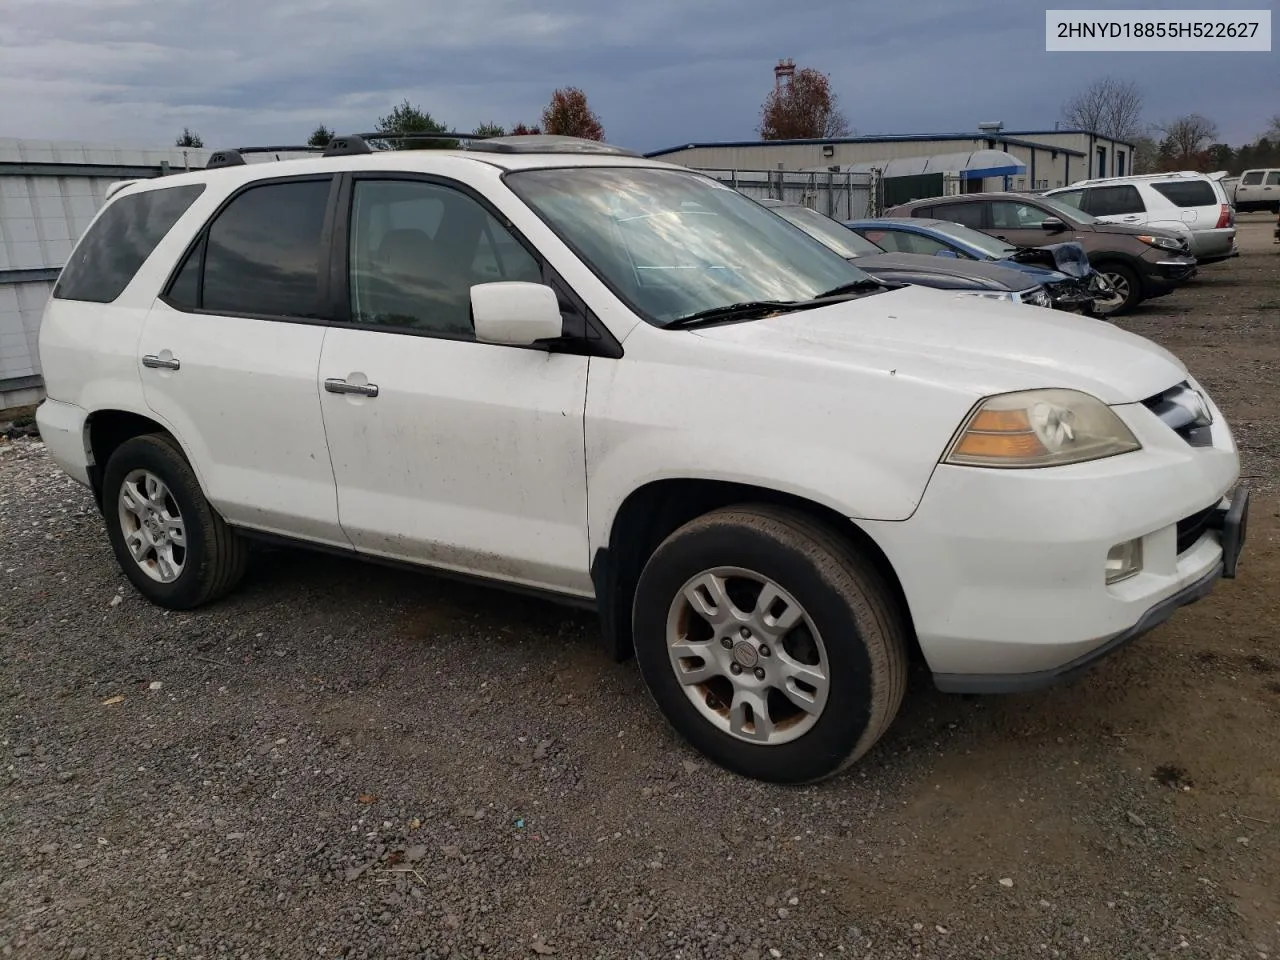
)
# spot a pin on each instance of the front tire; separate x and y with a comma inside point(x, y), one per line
point(769, 644)
point(1128, 290)
point(168, 540)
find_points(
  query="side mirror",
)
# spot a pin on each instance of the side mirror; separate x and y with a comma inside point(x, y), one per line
point(1052, 224)
point(947, 253)
point(515, 313)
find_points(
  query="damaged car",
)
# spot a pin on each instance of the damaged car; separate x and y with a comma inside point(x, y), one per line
point(1062, 268)
point(991, 281)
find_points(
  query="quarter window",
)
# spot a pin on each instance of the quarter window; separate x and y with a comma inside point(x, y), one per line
point(120, 241)
point(417, 248)
point(1187, 193)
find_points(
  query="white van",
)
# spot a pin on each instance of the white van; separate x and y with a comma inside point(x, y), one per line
point(1259, 190)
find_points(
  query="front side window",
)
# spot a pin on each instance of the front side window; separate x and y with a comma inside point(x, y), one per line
point(1114, 201)
point(1252, 179)
point(673, 243)
point(1011, 215)
point(118, 243)
point(417, 248)
point(967, 236)
point(261, 256)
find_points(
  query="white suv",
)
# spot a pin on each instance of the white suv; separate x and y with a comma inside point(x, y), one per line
point(1185, 201)
point(561, 367)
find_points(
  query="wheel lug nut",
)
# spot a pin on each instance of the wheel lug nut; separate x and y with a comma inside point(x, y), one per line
point(764, 650)
point(735, 669)
point(745, 633)
point(726, 643)
point(759, 673)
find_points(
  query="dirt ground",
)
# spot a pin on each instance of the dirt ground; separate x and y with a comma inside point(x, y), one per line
point(346, 761)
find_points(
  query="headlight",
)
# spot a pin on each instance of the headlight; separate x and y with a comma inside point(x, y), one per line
point(1038, 297)
point(1164, 243)
point(990, 294)
point(1040, 428)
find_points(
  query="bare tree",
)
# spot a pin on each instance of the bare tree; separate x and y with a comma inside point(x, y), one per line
point(1186, 136)
point(1272, 132)
point(189, 138)
point(1109, 106)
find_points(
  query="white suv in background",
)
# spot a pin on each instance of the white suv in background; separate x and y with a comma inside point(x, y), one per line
point(1258, 190)
point(560, 367)
point(1195, 202)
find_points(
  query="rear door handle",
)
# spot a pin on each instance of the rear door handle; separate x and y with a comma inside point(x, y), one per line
point(338, 385)
point(155, 363)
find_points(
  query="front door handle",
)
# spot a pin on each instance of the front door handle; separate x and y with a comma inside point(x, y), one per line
point(338, 385)
point(155, 363)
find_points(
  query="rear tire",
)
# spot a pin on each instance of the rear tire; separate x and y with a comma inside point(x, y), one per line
point(793, 689)
point(168, 540)
point(1126, 283)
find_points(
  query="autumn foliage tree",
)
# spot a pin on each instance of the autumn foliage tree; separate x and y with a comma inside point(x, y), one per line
point(520, 130)
point(569, 115)
point(804, 108)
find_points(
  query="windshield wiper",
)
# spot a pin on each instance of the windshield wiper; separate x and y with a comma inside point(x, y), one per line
point(734, 311)
point(853, 287)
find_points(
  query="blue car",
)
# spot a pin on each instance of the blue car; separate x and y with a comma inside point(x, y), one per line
point(1077, 290)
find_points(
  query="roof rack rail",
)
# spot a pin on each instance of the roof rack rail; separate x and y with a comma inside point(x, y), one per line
point(235, 157)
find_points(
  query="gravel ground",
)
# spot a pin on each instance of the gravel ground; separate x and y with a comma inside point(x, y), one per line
point(342, 760)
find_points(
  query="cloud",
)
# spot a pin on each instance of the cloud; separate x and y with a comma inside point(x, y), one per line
point(660, 73)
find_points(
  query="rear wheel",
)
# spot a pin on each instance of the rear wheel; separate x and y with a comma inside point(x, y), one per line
point(1127, 290)
point(769, 644)
point(171, 544)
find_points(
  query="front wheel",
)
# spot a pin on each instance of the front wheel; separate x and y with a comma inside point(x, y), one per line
point(1126, 290)
point(769, 644)
point(170, 543)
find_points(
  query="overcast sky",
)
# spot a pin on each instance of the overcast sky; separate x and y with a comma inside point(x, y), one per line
point(659, 73)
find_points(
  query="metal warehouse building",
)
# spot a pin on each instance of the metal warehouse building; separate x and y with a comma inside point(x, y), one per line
point(1044, 158)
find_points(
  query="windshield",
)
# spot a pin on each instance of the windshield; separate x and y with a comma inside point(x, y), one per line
point(835, 235)
point(673, 243)
point(1066, 211)
point(989, 245)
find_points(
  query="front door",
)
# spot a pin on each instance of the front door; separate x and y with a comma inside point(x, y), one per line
point(464, 455)
point(1022, 224)
point(229, 355)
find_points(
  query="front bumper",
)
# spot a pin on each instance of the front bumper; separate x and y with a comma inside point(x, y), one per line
point(1004, 570)
point(1174, 269)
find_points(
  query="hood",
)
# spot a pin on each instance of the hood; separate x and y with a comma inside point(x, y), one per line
point(980, 273)
point(981, 347)
point(1069, 258)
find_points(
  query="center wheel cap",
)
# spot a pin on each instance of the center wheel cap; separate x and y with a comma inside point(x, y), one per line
point(745, 655)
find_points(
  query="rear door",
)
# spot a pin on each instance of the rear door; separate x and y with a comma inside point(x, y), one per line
point(229, 355)
point(1116, 203)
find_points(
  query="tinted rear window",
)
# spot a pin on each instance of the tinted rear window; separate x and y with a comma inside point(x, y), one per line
point(1188, 193)
point(120, 240)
